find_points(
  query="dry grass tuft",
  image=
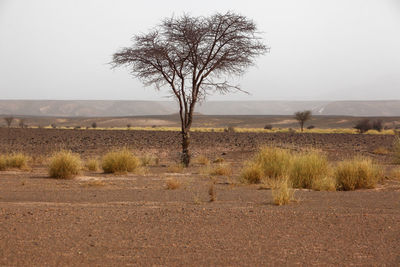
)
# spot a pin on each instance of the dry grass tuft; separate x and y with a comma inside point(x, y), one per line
point(173, 184)
point(147, 160)
point(202, 160)
point(308, 169)
point(222, 169)
point(396, 149)
point(252, 173)
point(64, 165)
point(327, 183)
point(211, 193)
point(14, 160)
point(381, 151)
point(92, 165)
point(176, 168)
point(395, 174)
point(120, 161)
point(94, 183)
point(275, 162)
point(3, 163)
point(218, 160)
point(357, 173)
point(282, 193)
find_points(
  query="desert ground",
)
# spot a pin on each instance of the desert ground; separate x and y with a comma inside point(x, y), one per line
point(133, 219)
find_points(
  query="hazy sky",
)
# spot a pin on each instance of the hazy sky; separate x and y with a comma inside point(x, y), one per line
point(320, 49)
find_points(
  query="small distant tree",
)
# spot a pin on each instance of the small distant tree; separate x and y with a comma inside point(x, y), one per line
point(377, 125)
point(128, 126)
point(363, 125)
point(22, 123)
point(302, 117)
point(94, 125)
point(191, 56)
point(9, 121)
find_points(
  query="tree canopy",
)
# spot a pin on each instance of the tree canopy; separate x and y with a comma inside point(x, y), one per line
point(192, 56)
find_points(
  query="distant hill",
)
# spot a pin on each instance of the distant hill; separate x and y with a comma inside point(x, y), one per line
point(113, 108)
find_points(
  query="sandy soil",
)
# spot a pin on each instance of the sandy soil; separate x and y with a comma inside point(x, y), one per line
point(97, 219)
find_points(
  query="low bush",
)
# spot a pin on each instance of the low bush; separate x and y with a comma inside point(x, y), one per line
point(176, 168)
point(395, 174)
point(92, 165)
point(268, 127)
point(173, 184)
point(275, 162)
point(363, 125)
point(307, 168)
point(14, 160)
point(327, 183)
point(3, 163)
point(120, 161)
point(222, 169)
point(356, 174)
point(282, 193)
point(64, 165)
point(202, 160)
point(147, 160)
point(252, 173)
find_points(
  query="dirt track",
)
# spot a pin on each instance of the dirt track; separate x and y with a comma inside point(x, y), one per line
point(134, 220)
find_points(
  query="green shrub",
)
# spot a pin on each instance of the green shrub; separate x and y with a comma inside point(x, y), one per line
point(357, 173)
point(120, 161)
point(307, 168)
point(64, 165)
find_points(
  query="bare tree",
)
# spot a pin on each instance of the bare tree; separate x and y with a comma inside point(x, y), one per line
point(302, 117)
point(22, 123)
point(9, 121)
point(191, 56)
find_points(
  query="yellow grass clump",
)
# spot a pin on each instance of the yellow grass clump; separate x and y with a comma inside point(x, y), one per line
point(275, 162)
point(222, 169)
point(357, 173)
point(92, 165)
point(64, 165)
point(252, 173)
point(173, 184)
point(282, 193)
point(202, 160)
point(326, 183)
point(147, 160)
point(381, 151)
point(176, 168)
point(120, 161)
point(396, 173)
point(308, 169)
point(13, 160)
point(396, 149)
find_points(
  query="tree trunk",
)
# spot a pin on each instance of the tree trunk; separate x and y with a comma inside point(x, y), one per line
point(302, 125)
point(185, 147)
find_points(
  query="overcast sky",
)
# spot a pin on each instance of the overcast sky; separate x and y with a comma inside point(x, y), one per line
point(320, 49)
